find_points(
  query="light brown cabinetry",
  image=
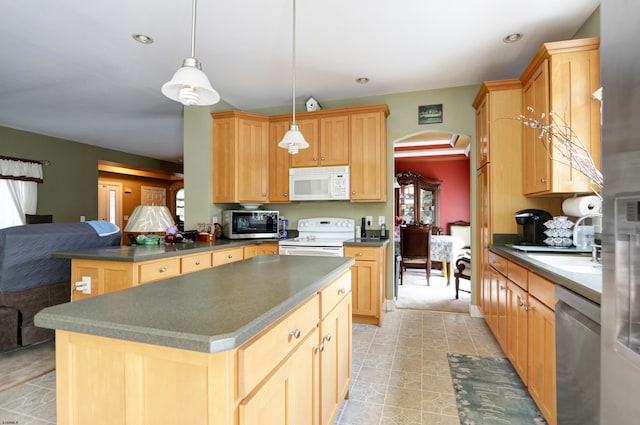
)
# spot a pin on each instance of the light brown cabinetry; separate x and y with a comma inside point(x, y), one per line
point(296, 371)
point(368, 283)
point(369, 156)
point(328, 139)
point(240, 157)
point(109, 276)
point(561, 79)
point(498, 180)
point(528, 331)
point(268, 248)
point(279, 162)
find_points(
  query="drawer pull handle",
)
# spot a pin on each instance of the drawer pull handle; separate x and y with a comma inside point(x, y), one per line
point(342, 291)
point(197, 263)
point(163, 269)
point(327, 337)
point(320, 348)
point(296, 334)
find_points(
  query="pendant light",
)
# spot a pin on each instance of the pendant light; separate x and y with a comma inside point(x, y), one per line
point(293, 139)
point(189, 85)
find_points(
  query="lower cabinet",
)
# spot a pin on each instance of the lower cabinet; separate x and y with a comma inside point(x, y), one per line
point(268, 248)
point(290, 395)
point(368, 283)
point(521, 317)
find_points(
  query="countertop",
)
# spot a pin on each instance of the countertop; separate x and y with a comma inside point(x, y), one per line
point(208, 311)
point(584, 284)
point(138, 253)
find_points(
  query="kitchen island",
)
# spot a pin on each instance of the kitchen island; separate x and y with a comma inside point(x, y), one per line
point(265, 337)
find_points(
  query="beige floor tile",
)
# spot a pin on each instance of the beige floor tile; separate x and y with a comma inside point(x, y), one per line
point(360, 413)
point(374, 375)
point(398, 416)
point(407, 380)
point(405, 398)
point(440, 403)
point(437, 383)
point(429, 418)
point(368, 392)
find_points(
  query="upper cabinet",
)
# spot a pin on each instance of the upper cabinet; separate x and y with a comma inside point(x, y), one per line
point(561, 79)
point(249, 167)
point(240, 157)
point(369, 154)
point(328, 139)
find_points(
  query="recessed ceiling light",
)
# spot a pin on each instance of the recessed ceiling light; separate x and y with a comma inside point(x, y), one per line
point(362, 80)
point(512, 38)
point(141, 38)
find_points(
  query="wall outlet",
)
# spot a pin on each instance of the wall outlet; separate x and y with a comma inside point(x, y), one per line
point(369, 220)
point(82, 218)
point(214, 219)
point(380, 220)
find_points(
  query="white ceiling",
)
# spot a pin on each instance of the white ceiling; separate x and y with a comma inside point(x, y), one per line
point(70, 68)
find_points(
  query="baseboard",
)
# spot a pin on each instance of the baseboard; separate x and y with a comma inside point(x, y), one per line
point(391, 304)
point(475, 310)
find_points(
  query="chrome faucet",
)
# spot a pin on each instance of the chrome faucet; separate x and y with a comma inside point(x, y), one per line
point(595, 248)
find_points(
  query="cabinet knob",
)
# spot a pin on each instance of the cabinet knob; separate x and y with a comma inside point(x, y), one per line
point(322, 158)
point(353, 193)
point(264, 194)
point(315, 158)
point(163, 269)
point(342, 291)
point(229, 256)
point(521, 303)
point(327, 337)
point(360, 254)
point(296, 334)
point(320, 348)
point(197, 263)
point(502, 287)
point(543, 180)
point(286, 194)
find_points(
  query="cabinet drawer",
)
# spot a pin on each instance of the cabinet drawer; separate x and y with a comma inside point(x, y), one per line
point(362, 253)
point(261, 355)
point(226, 256)
point(517, 274)
point(497, 262)
point(331, 295)
point(156, 270)
point(543, 290)
point(194, 263)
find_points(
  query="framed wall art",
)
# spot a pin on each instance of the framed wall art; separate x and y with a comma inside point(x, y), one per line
point(430, 114)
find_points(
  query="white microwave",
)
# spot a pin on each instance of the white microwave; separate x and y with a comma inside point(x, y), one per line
point(319, 183)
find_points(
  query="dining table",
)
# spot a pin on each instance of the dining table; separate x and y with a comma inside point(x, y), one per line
point(445, 249)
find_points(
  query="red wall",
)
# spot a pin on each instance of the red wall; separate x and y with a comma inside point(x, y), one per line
point(455, 190)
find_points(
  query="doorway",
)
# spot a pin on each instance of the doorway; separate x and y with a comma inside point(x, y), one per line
point(110, 202)
point(438, 156)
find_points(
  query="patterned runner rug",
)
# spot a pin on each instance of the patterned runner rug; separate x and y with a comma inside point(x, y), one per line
point(490, 392)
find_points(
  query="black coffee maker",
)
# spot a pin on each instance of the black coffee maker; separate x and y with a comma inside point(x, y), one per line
point(531, 226)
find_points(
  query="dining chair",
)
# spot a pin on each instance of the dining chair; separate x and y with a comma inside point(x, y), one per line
point(462, 230)
point(414, 248)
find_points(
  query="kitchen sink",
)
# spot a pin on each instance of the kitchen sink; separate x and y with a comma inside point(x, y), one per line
point(570, 263)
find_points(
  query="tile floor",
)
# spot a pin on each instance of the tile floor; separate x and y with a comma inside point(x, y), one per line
point(400, 373)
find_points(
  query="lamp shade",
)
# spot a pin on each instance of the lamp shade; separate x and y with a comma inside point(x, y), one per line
point(293, 140)
point(149, 218)
point(190, 86)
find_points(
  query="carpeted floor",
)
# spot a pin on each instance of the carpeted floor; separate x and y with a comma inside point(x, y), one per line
point(490, 392)
point(415, 294)
point(24, 364)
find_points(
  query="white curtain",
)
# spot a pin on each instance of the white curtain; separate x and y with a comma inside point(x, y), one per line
point(18, 190)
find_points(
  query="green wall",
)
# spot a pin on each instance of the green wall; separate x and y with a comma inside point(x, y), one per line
point(70, 187)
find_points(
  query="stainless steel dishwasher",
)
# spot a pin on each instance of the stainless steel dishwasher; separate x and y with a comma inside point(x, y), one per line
point(577, 359)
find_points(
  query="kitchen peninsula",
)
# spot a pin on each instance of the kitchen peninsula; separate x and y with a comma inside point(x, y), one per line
point(265, 337)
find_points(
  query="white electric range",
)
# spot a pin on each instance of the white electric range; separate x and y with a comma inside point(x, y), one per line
point(322, 236)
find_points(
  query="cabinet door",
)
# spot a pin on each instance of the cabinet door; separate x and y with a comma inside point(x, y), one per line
point(542, 358)
point(271, 248)
point(517, 338)
point(365, 281)
point(253, 160)
point(483, 237)
point(535, 158)
point(368, 157)
point(278, 163)
point(482, 132)
point(499, 307)
point(335, 360)
point(334, 140)
point(308, 157)
point(224, 160)
point(249, 251)
point(290, 395)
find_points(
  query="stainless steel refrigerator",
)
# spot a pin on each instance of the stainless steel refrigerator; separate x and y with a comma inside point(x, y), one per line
point(620, 75)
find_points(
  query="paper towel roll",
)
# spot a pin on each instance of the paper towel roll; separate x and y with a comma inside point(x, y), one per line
point(581, 206)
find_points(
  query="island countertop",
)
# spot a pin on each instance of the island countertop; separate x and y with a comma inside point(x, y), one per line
point(207, 311)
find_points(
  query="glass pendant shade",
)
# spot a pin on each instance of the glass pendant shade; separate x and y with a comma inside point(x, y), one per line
point(190, 86)
point(293, 140)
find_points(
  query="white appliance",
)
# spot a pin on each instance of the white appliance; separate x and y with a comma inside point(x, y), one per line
point(319, 183)
point(323, 236)
point(620, 61)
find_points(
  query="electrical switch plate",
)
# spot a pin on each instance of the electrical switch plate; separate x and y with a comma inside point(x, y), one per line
point(380, 220)
point(82, 218)
point(85, 285)
point(369, 220)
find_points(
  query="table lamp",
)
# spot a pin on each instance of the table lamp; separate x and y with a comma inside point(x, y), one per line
point(149, 218)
